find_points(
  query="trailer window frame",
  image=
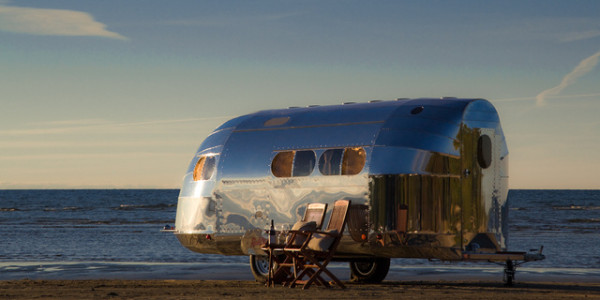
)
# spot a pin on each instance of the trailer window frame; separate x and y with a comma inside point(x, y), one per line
point(294, 163)
point(282, 164)
point(204, 168)
point(301, 163)
point(330, 162)
point(304, 163)
point(484, 151)
point(354, 160)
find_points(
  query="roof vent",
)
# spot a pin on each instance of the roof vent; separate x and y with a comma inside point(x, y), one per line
point(346, 103)
point(313, 105)
point(398, 99)
point(417, 110)
point(375, 101)
point(293, 107)
point(276, 121)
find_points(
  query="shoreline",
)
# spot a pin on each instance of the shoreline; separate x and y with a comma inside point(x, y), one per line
point(94, 270)
point(229, 281)
point(246, 289)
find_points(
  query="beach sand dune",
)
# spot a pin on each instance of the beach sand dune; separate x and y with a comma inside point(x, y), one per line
point(220, 289)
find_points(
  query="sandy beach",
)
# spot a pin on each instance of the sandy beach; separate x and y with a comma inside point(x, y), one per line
point(219, 289)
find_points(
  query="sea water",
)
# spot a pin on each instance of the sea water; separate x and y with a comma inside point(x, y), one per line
point(71, 234)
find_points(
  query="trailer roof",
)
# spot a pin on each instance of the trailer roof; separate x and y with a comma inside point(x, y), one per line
point(425, 124)
point(368, 112)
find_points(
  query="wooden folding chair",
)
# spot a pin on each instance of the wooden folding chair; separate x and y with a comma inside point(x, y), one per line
point(286, 267)
point(315, 212)
point(316, 253)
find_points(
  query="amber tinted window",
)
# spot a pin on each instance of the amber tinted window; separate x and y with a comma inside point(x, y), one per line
point(205, 167)
point(304, 163)
point(198, 168)
point(484, 151)
point(282, 164)
point(330, 162)
point(354, 161)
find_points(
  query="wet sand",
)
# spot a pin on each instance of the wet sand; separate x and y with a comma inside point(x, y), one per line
point(220, 289)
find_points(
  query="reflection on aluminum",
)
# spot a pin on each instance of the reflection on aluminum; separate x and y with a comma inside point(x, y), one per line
point(422, 192)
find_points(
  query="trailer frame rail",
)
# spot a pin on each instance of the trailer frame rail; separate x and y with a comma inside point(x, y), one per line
point(510, 259)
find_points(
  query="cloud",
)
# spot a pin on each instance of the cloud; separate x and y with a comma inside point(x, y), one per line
point(513, 99)
point(99, 125)
point(41, 21)
point(584, 67)
point(82, 144)
point(222, 21)
point(571, 96)
point(75, 156)
point(578, 36)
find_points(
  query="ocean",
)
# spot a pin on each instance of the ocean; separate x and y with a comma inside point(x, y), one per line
point(96, 234)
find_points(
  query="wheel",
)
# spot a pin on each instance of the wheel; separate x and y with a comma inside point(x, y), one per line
point(259, 264)
point(369, 271)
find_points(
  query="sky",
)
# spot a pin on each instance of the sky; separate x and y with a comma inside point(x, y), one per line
point(120, 94)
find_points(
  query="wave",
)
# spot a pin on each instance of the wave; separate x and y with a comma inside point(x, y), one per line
point(159, 206)
point(80, 222)
point(66, 208)
point(515, 228)
point(9, 209)
point(576, 207)
point(46, 209)
point(593, 220)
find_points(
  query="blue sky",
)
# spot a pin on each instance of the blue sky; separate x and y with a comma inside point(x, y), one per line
point(114, 94)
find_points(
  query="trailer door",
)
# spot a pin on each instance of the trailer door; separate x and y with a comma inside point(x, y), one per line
point(480, 209)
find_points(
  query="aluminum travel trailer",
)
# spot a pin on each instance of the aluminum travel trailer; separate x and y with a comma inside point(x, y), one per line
point(427, 178)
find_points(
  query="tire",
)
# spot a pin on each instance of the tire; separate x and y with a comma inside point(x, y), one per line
point(259, 264)
point(369, 271)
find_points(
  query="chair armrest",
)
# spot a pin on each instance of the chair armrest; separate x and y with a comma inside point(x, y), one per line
point(304, 232)
point(293, 235)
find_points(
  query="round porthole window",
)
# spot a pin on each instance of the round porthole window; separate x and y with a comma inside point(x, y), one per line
point(484, 151)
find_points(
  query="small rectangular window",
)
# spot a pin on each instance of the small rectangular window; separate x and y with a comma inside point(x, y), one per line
point(330, 162)
point(304, 163)
point(209, 167)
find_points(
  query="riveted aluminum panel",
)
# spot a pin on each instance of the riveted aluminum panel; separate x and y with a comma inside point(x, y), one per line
point(322, 115)
point(421, 161)
point(417, 140)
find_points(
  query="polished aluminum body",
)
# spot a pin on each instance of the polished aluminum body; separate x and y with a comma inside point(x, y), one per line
point(434, 183)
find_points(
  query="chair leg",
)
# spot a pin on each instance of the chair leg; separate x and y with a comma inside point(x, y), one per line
point(286, 271)
point(315, 278)
point(321, 268)
point(298, 278)
point(334, 278)
point(296, 263)
point(320, 281)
